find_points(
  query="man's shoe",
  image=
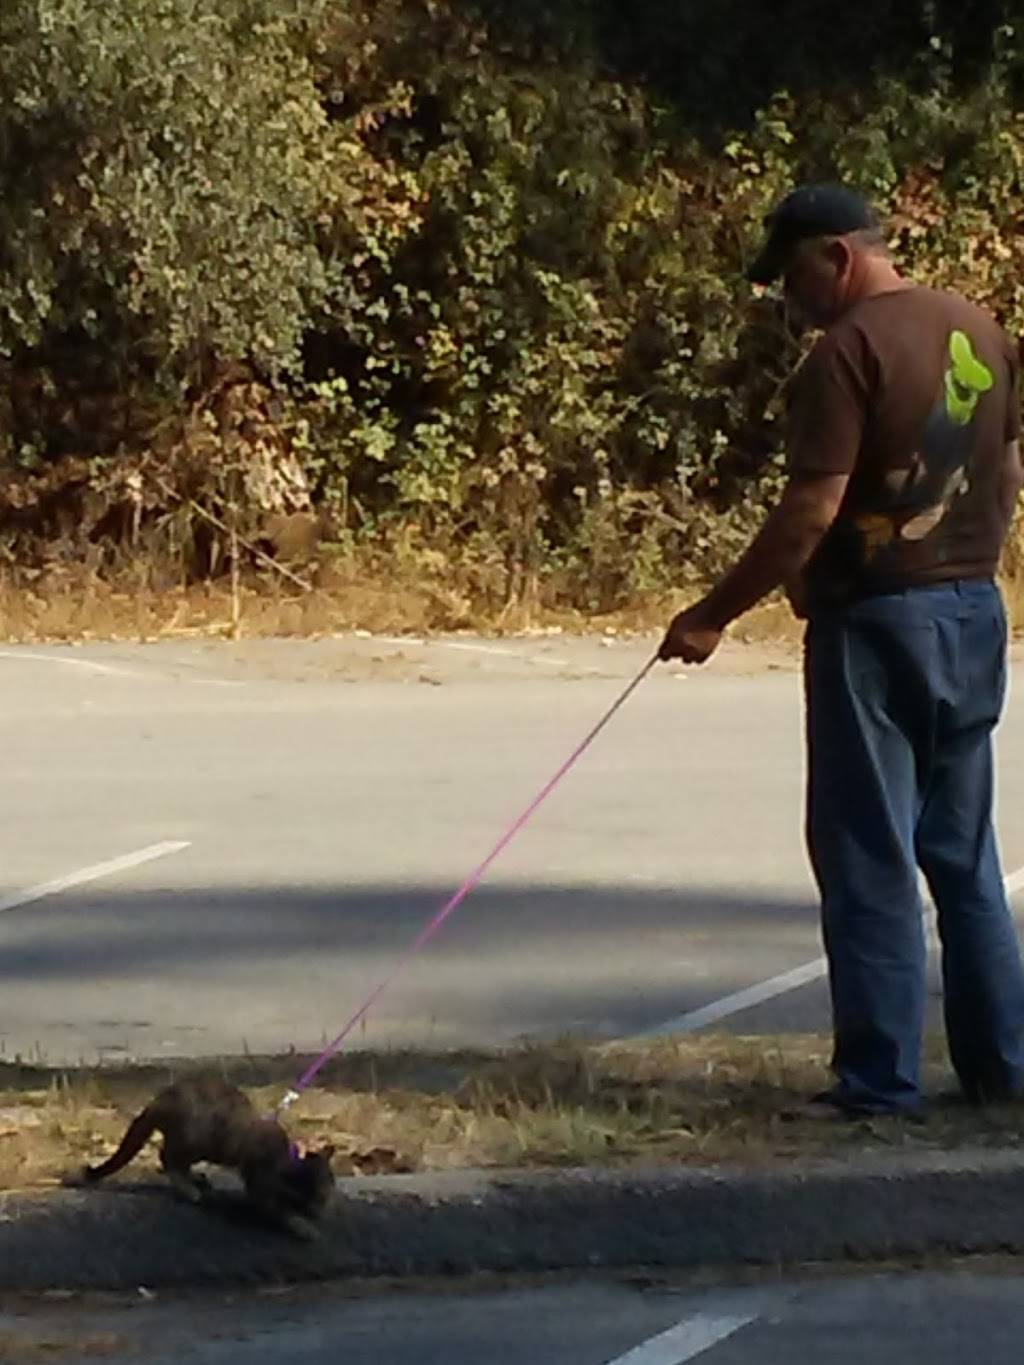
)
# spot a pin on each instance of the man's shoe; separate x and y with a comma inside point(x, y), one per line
point(830, 1107)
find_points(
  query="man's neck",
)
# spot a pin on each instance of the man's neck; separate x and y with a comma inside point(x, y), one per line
point(876, 276)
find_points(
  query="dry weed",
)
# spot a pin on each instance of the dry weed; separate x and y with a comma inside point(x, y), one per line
point(706, 1101)
point(75, 606)
point(17, 1348)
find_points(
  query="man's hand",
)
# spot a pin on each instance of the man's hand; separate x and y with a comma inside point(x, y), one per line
point(691, 637)
point(778, 554)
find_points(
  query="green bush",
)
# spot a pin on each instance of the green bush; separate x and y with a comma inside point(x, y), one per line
point(477, 265)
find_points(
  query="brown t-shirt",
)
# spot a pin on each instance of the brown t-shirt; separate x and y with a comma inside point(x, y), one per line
point(914, 395)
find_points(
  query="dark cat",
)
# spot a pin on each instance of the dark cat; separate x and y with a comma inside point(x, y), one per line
point(209, 1120)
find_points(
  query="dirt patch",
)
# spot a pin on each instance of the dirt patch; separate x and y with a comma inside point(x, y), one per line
point(713, 1100)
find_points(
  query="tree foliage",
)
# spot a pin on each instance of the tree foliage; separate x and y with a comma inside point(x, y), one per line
point(469, 271)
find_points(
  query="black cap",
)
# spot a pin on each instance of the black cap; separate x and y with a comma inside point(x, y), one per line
point(809, 211)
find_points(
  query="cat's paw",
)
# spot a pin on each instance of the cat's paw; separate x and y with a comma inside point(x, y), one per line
point(303, 1229)
point(184, 1187)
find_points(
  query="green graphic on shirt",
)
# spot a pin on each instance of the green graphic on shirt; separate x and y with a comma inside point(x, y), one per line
point(966, 380)
point(920, 495)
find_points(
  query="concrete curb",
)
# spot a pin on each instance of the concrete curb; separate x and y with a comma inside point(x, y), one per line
point(129, 1236)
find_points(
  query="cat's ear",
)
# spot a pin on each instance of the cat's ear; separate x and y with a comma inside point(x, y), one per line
point(328, 1153)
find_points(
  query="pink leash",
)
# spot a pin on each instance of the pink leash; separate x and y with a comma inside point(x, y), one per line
point(471, 882)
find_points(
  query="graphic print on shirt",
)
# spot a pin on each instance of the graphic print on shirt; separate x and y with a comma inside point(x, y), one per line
point(921, 495)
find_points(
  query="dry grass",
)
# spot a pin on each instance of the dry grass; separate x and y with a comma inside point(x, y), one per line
point(76, 606)
point(18, 1348)
point(700, 1101)
point(387, 590)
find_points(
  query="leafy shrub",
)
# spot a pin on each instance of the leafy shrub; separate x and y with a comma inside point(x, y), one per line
point(478, 264)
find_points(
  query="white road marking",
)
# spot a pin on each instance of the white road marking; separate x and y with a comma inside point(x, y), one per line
point(741, 1000)
point(686, 1340)
point(767, 990)
point(90, 666)
point(468, 647)
point(501, 650)
point(30, 894)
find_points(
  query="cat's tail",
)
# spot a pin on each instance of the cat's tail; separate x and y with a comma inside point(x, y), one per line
point(140, 1130)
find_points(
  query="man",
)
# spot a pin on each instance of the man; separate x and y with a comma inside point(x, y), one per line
point(904, 471)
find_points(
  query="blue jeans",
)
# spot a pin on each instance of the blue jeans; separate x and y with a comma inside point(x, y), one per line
point(903, 692)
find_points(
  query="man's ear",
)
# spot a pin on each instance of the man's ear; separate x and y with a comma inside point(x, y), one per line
point(839, 254)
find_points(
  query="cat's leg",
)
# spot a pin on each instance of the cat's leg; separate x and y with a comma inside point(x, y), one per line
point(266, 1202)
point(178, 1170)
point(302, 1228)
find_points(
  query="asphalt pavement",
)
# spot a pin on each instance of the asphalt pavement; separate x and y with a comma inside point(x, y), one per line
point(898, 1317)
point(207, 847)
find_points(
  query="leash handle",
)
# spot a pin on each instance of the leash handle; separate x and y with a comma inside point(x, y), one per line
point(471, 882)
